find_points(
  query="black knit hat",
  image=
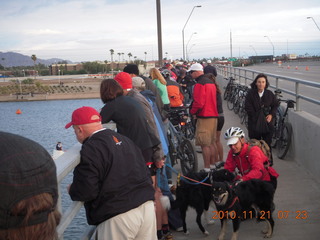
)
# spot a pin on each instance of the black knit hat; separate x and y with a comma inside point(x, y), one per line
point(131, 68)
point(26, 170)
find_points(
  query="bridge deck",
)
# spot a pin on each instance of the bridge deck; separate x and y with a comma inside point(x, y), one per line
point(297, 191)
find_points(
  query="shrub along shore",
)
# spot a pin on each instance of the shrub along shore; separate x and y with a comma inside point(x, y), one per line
point(39, 90)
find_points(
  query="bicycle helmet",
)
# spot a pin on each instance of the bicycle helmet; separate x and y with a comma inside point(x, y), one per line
point(166, 73)
point(233, 134)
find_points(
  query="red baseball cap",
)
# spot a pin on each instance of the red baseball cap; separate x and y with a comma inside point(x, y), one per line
point(84, 115)
point(124, 79)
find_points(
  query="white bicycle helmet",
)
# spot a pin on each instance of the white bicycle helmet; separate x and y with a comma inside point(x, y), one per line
point(233, 134)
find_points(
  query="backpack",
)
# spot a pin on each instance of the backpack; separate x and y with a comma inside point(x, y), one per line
point(264, 148)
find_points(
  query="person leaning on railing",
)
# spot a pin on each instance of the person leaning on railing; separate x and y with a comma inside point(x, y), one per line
point(112, 180)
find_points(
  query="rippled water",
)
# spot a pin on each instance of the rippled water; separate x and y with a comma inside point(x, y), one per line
point(43, 122)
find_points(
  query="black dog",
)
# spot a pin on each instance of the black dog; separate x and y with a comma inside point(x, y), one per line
point(196, 195)
point(236, 203)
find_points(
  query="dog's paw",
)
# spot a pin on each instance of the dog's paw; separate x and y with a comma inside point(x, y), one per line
point(206, 233)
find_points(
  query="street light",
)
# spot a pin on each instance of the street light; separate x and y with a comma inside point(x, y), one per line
point(253, 49)
point(187, 45)
point(272, 47)
point(314, 22)
point(189, 51)
point(184, 28)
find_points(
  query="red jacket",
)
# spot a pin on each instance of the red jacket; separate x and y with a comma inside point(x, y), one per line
point(249, 164)
point(204, 103)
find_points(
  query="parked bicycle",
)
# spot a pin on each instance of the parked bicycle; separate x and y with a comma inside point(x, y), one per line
point(181, 149)
point(281, 138)
point(229, 88)
point(182, 121)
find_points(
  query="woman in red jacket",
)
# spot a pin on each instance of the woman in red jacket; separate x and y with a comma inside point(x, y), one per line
point(250, 163)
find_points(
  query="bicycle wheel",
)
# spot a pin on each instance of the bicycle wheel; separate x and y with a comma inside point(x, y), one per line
point(277, 126)
point(230, 102)
point(284, 140)
point(171, 148)
point(236, 106)
point(227, 92)
point(188, 157)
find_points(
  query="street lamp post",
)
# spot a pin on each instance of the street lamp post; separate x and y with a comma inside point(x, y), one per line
point(314, 22)
point(183, 30)
point(189, 51)
point(187, 45)
point(272, 47)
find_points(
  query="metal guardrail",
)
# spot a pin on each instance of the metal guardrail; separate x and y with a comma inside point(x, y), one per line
point(249, 75)
point(65, 164)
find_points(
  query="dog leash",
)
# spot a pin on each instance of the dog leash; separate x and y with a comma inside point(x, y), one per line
point(187, 179)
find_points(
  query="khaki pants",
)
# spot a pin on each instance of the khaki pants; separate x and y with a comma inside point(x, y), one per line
point(206, 131)
point(138, 223)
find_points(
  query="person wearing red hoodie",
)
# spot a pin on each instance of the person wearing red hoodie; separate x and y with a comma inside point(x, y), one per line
point(204, 109)
point(249, 160)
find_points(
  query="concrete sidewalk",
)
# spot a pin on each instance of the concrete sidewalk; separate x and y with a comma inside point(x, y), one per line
point(297, 200)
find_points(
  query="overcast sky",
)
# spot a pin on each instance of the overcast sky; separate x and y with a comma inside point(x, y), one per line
point(85, 30)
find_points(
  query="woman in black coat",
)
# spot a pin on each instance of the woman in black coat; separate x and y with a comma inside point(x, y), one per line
point(261, 101)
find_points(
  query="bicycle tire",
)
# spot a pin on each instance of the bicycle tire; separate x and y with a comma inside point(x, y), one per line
point(277, 127)
point(230, 102)
point(227, 92)
point(171, 149)
point(188, 157)
point(284, 141)
point(236, 106)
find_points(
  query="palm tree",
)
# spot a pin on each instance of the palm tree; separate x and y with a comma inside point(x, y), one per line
point(129, 55)
point(111, 52)
point(145, 57)
point(122, 57)
point(34, 59)
point(119, 54)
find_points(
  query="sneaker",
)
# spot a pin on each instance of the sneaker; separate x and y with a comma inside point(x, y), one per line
point(167, 236)
point(179, 229)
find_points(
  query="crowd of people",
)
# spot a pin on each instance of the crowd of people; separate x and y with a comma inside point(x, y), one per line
point(122, 176)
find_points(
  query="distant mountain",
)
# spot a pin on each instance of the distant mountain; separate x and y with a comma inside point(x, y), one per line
point(12, 59)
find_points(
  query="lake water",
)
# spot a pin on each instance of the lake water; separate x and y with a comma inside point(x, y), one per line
point(43, 122)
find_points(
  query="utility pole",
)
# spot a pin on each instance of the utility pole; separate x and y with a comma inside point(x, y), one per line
point(160, 57)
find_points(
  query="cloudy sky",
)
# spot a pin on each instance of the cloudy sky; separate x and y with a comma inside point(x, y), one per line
point(85, 30)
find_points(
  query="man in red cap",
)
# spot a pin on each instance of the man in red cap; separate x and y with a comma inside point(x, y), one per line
point(112, 180)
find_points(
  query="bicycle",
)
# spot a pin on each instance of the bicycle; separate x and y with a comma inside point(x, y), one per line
point(182, 121)
point(229, 88)
point(182, 149)
point(281, 138)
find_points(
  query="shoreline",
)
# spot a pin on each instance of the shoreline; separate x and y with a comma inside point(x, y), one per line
point(49, 97)
point(93, 83)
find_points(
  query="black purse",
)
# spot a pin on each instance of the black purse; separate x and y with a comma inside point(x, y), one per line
point(262, 125)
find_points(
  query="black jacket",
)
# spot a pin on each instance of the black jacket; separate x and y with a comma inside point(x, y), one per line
point(111, 178)
point(254, 103)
